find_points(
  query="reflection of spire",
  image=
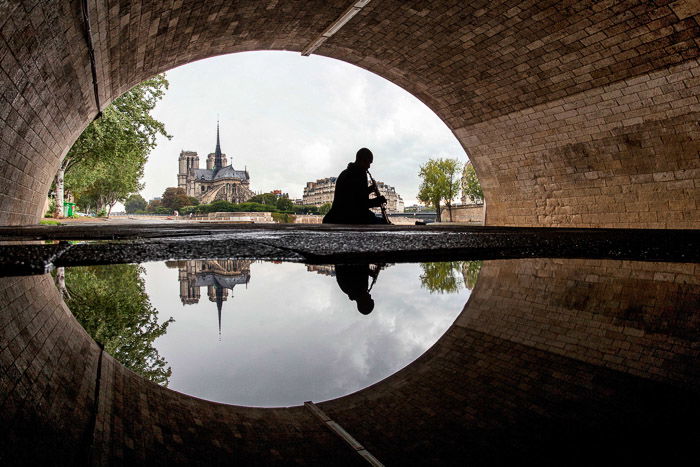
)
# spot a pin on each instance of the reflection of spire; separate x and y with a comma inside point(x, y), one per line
point(219, 303)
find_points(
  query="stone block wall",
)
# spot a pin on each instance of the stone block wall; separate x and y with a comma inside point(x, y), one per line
point(469, 213)
point(574, 113)
point(545, 354)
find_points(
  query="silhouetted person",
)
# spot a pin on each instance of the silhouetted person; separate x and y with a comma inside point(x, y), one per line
point(351, 201)
point(352, 279)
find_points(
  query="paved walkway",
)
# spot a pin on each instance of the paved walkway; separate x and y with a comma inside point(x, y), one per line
point(24, 249)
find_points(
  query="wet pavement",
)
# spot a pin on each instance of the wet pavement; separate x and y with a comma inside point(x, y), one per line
point(94, 244)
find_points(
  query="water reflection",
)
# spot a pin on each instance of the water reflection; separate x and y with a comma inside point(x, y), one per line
point(283, 332)
point(111, 303)
point(449, 276)
point(218, 276)
point(550, 357)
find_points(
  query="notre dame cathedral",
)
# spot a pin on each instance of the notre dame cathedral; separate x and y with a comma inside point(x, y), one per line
point(218, 181)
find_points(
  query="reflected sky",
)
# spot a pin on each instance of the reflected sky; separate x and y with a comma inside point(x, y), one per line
point(290, 334)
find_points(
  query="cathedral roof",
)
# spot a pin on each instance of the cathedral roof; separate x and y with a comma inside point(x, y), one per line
point(227, 282)
point(222, 173)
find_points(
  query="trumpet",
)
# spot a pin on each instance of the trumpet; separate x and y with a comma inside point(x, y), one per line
point(383, 205)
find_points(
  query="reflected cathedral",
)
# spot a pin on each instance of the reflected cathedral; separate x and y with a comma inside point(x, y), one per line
point(218, 276)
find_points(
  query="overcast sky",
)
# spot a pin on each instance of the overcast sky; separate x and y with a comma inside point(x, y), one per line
point(291, 119)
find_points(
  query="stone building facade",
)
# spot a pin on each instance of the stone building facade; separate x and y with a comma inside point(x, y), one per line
point(219, 181)
point(321, 192)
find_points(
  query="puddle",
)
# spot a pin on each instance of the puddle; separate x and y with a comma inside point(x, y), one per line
point(267, 334)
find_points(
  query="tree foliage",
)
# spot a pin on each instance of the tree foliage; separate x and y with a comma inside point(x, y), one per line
point(154, 205)
point(106, 162)
point(284, 203)
point(175, 198)
point(110, 302)
point(439, 183)
point(471, 188)
point(135, 203)
point(264, 198)
point(449, 276)
point(279, 202)
point(323, 210)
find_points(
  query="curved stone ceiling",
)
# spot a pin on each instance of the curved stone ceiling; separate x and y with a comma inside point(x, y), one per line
point(575, 113)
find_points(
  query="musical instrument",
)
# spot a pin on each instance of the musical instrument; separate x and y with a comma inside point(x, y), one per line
point(383, 205)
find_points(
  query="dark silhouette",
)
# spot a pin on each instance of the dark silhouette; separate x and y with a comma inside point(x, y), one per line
point(351, 201)
point(352, 279)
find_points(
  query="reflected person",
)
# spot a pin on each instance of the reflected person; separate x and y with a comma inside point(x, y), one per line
point(351, 201)
point(353, 280)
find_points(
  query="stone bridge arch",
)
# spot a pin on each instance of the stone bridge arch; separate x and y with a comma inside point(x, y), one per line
point(574, 113)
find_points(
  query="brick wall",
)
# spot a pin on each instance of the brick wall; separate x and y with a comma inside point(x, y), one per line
point(574, 113)
point(548, 358)
point(472, 213)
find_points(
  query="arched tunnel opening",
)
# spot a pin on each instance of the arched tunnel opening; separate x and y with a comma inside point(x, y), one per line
point(577, 115)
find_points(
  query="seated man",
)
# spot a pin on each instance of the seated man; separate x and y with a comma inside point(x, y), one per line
point(351, 200)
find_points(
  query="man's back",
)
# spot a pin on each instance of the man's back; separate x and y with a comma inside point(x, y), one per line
point(351, 201)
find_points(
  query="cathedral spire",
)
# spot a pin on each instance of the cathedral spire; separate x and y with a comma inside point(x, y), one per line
point(218, 160)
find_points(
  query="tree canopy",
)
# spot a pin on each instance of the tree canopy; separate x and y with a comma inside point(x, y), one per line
point(111, 303)
point(175, 198)
point(470, 184)
point(135, 203)
point(279, 202)
point(439, 183)
point(105, 165)
point(449, 276)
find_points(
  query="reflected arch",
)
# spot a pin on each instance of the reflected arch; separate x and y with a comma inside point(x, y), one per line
point(574, 113)
point(530, 369)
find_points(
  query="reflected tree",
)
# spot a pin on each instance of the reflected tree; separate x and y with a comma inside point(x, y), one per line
point(449, 276)
point(470, 272)
point(111, 303)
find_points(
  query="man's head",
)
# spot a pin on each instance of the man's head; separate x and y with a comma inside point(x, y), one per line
point(364, 158)
point(365, 304)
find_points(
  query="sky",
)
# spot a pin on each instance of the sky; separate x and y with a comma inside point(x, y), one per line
point(286, 347)
point(290, 119)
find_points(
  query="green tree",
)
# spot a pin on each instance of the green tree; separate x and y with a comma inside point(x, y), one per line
point(449, 276)
point(106, 162)
point(110, 302)
point(154, 205)
point(439, 183)
point(264, 198)
point(470, 272)
point(323, 210)
point(441, 277)
point(471, 188)
point(135, 203)
point(284, 203)
point(175, 198)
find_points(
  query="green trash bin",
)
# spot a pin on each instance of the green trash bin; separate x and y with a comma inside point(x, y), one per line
point(68, 209)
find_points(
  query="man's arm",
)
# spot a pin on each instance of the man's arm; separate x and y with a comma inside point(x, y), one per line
point(376, 202)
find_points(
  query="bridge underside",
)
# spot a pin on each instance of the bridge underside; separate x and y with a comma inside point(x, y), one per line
point(574, 113)
point(577, 113)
